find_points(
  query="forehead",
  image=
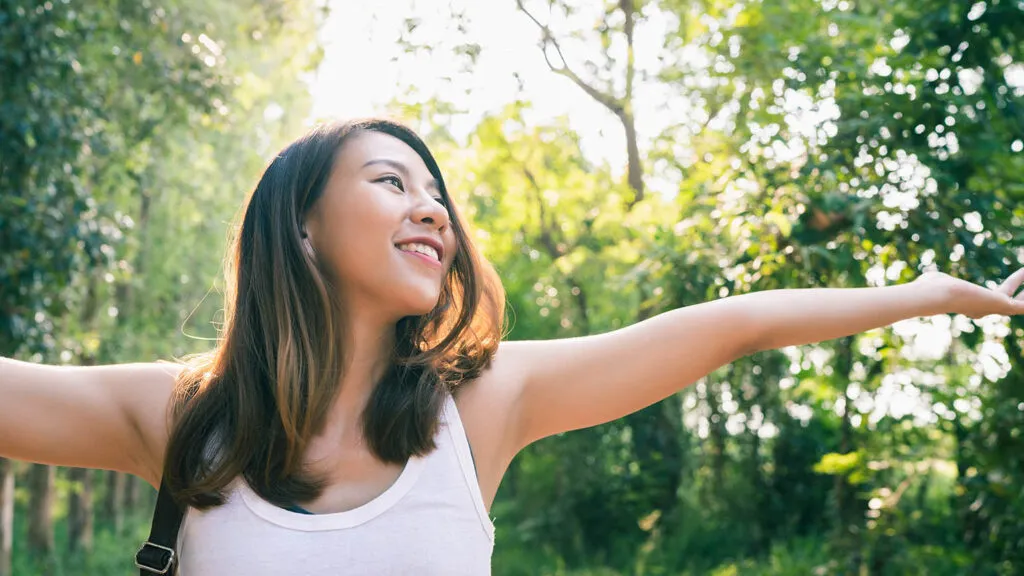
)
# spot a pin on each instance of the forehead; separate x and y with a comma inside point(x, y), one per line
point(370, 146)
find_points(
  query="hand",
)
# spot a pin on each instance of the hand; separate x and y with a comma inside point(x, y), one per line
point(977, 301)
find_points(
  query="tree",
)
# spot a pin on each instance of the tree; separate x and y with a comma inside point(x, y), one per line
point(100, 111)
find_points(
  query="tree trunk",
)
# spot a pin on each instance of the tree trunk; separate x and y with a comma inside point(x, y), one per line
point(6, 515)
point(656, 448)
point(843, 493)
point(760, 524)
point(80, 504)
point(962, 496)
point(80, 524)
point(131, 492)
point(113, 503)
point(716, 431)
point(40, 514)
point(634, 168)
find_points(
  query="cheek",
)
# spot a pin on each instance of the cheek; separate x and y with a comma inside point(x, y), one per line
point(357, 237)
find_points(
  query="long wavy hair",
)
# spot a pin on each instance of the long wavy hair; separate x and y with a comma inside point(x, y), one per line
point(251, 406)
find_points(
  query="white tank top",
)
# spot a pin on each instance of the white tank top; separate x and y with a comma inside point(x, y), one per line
point(431, 521)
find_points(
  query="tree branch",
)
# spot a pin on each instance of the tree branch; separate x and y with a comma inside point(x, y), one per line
point(628, 10)
point(621, 107)
point(554, 250)
point(609, 101)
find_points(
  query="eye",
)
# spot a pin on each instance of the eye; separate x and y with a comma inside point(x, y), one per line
point(393, 180)
point(441, 200)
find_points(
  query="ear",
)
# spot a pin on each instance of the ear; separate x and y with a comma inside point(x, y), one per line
point(307, 241)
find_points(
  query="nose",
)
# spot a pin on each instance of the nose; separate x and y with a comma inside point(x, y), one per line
point(431, 212)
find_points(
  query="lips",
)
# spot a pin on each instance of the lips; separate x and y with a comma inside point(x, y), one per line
point(432, 242)
point(428, 260)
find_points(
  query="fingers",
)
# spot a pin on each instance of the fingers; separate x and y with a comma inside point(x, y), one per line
point(1017, 305)
point(1011, 284)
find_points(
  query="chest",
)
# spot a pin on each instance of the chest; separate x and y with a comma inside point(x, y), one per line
point(354, 477)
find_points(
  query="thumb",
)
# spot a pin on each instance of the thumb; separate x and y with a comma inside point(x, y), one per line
point(1011, 284)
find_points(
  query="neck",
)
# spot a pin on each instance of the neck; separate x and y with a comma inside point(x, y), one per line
point(367, 356)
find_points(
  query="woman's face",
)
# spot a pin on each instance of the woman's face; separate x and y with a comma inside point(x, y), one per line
point(378, 225)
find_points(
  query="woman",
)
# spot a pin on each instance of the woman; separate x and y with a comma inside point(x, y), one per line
point(359, 410)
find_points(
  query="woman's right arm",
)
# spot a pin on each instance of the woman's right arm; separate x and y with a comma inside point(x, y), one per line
point(111, 417)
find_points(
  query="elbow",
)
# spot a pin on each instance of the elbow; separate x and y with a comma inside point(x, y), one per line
point(752, 336)
point(749, 346)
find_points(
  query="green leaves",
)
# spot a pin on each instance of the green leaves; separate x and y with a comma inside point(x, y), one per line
point(851, 466)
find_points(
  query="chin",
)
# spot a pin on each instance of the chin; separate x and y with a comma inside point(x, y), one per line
point(419, 304)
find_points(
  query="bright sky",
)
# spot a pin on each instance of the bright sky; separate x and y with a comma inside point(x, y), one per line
point(364, 67)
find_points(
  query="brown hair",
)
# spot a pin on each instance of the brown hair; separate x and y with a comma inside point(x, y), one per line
point(250, 406)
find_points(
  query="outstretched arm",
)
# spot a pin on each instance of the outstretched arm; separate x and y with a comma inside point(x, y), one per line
point(111, 417)
point(578, 382)
point(792, 317)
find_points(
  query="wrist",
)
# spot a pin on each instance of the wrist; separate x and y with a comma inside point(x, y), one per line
point(933, 293)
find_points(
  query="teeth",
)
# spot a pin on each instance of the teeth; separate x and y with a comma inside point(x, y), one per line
point(421, 248)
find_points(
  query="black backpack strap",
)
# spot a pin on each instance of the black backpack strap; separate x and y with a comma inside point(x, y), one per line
point(157, 555)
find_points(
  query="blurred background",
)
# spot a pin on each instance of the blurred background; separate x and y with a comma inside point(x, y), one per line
point(616, 160)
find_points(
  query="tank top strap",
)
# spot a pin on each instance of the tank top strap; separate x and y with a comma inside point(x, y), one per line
point(460, 442)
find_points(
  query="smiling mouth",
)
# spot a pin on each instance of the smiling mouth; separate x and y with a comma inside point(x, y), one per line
point(422, 252)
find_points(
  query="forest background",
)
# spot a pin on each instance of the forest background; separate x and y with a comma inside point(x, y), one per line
point(616, 160)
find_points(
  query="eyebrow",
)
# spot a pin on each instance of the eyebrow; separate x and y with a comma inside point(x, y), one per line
point(396, 165)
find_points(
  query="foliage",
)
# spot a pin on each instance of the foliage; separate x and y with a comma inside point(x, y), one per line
point(130, 134)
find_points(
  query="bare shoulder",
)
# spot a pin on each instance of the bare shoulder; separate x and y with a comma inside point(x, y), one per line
point(111, 417)
point(496, 389)
point(488, 407)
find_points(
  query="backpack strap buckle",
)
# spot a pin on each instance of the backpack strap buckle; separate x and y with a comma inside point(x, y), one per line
point(154, 558)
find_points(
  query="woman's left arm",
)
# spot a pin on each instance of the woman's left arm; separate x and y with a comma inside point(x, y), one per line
point(579, 382)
